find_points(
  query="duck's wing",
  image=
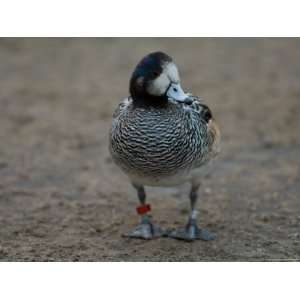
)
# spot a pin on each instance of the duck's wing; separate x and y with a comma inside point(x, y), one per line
point(215, 136)
point(211, 144)
point(122, 107)
point(200, 109)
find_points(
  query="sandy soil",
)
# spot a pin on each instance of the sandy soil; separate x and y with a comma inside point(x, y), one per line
point(62, 198)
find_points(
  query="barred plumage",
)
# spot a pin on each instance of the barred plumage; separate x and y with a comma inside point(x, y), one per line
point(156, 144)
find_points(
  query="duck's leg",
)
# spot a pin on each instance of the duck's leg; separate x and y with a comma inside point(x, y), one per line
point(145, 230)
point(191, 231)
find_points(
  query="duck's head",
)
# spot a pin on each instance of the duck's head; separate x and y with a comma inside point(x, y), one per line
point(155, 80)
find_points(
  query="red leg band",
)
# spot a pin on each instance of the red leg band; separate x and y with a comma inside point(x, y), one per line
point(143, 209)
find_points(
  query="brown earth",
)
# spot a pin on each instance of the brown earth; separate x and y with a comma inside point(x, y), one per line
point(62, 198)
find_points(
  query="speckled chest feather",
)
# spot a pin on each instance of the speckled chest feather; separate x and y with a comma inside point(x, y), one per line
point(155, 143)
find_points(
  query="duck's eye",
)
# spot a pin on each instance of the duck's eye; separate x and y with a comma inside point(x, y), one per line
point(155, 73)
point(175, 89)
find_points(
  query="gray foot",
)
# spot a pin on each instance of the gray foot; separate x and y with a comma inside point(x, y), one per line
point(146, 231)
point(190, 233)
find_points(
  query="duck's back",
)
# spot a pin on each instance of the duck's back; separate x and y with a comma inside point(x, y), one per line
point(158, 143)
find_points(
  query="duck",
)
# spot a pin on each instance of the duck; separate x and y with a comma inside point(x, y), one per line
point(162, 136)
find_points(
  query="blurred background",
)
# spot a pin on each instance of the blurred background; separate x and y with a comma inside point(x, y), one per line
point(62, 198)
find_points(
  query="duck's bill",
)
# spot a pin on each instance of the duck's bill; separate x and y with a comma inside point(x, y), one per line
point(175, 92)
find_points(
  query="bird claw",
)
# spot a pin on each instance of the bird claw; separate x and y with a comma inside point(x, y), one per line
point(146, 231)
point(190, 233)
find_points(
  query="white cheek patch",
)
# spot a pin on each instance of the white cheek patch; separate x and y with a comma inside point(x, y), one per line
point(172, 72)
point(159, 86)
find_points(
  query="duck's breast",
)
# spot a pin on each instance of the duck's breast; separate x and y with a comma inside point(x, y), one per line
point(157, 143)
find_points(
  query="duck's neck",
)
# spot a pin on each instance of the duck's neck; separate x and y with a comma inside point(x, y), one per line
point(150, 101)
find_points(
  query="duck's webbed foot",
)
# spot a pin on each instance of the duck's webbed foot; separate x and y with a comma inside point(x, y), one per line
point(191, 232)
point(145, 230)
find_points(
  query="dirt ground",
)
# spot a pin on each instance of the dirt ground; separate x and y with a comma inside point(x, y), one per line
point(63, 199)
